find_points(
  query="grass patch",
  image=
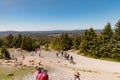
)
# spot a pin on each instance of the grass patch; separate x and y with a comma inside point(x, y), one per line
point(89, 71)
point(108, 59)
point(101, 58)
point(116, 73)
point(83, 70)
point(18, 73)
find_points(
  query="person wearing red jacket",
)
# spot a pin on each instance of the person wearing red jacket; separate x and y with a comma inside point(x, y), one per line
point(44, 75)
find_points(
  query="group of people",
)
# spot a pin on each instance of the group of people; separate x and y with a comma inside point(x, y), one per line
point(65, 55)
point(41, 74)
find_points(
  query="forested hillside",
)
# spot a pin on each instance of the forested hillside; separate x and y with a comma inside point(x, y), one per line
point(106, 44)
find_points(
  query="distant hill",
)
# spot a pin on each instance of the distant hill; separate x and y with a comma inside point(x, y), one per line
point(5, 33)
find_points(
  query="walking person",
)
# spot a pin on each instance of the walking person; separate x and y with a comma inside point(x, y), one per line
point(65, 55)
point(68, 56)
point(44, 75)
point(71, 59)
point(57, 54)
point(76, 76)
point(62, 53)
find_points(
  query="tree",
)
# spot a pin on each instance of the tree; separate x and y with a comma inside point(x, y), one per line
point(56, 44)
point(76, 42)
point(117, 31)
point(65, 42)
point(27, 43)
point(84, 42)
point(1, 42)
point(17, 40)
point(107, 33)
point(84, 46)
point(46, 47)
point(62, 43)
point(89, 44)
point(35, 43)
point(4, 53)
point(93, 42)
point(9, 39)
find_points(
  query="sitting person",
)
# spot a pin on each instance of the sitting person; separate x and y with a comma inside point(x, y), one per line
point(76, 76)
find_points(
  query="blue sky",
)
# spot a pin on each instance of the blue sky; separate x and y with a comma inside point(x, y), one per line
point(45, 15)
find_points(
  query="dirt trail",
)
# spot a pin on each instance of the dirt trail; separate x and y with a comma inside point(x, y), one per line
point(90, 69)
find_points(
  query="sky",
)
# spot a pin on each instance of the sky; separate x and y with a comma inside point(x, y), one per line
point(46, 15)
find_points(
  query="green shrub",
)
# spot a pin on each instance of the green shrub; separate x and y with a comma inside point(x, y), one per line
point(4, 53)
point(46, 47)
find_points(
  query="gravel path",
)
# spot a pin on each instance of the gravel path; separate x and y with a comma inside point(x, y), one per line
point(61, 69)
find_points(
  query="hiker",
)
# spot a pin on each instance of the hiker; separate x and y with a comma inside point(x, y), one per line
point(71, 59)
point(76, 76)
point(38, 72)
point(67, 56)
point(62, 53)
point(23, 57)
point(57, 54)
point(44, 75)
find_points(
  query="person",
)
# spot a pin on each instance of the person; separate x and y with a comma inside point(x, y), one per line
point(65, 55)
point(38, 72)
point(62, 53)
point(44, 75)
point(56, 54)
point(71, 59)
point(68, 56)
point(23, 57)
point(76, 76)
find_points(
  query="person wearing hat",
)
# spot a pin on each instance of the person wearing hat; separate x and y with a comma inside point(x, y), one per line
point(44, 75)
point(76, 76)
point(38, 72)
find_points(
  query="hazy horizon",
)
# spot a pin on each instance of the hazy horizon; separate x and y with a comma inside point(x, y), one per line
point(42, 31)
point(49, 15)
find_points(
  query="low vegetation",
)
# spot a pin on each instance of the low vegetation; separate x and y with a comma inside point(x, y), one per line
point(13, 73)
